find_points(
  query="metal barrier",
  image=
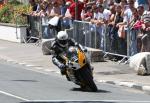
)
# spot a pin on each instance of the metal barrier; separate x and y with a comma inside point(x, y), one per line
point(101, 38)
point(89, 35)
point(83, 34)
point(34, 29)
point(38, 29)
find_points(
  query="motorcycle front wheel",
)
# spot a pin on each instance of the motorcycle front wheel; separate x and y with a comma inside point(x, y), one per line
point(87, 79)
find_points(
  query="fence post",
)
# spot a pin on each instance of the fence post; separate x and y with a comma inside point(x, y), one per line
point(104, 34)
point(128, 41)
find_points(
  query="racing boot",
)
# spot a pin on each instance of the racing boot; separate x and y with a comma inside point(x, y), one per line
point(63, 71)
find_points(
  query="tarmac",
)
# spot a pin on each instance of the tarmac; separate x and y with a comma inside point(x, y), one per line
point(30, 55)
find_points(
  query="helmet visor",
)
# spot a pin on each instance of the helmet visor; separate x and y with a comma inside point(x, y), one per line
point(63, 42)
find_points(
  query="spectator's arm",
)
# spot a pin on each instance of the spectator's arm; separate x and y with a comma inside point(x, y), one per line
point(67, 14)
point(90, 3)
point(149, 4)
point(121, 24)
point(111, 20)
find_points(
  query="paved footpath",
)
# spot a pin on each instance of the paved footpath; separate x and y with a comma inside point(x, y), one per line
point(108, 72)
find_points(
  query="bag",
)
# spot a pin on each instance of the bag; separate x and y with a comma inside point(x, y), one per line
point(138, 25)
point(54, 21)
point(121, 32)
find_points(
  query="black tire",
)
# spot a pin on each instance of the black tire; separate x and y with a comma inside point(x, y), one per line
point(87, 78)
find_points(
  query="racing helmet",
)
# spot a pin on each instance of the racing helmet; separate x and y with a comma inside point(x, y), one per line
point(62, 38)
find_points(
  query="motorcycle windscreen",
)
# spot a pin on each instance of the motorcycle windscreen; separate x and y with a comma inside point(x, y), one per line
point(81, 58)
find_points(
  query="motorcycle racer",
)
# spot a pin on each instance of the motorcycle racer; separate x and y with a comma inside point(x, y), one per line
point(60, 45)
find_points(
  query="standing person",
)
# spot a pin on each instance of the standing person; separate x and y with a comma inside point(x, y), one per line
point(146, 32)
point(127, 17)
point(110, 26)
point(33, 5)
point(133, 32)
point(145, 3)
point(72, 10)
point(55, 15)
point(87, 15)
point(100, 18)
point(114, 33)
point(141, 12)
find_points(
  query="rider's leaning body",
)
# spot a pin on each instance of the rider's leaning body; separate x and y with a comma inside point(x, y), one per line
point(60, 45)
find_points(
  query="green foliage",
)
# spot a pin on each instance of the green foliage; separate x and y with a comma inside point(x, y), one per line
point(11, 13)
point(5, 14)
point(14, 2)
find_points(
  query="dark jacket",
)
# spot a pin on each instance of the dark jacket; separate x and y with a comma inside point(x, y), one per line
point(57, 59)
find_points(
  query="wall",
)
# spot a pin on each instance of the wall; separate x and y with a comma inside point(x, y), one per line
point(11, 33)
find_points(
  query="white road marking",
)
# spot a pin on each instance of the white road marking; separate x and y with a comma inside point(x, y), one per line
point(30, 65)
point(14, 96)
point(124, 101)
point(2, 48)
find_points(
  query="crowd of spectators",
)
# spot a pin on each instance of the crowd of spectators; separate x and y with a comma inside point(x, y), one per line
point(121, 17)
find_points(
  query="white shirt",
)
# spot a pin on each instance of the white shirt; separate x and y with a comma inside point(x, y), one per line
point(105, 15)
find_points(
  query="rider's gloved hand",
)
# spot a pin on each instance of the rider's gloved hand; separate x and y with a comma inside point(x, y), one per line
point(62, 69)
point(62, 66)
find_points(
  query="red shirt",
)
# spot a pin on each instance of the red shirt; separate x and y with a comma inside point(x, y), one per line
point(79, 6)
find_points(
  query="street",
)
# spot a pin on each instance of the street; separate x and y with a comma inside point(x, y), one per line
point(20, 84)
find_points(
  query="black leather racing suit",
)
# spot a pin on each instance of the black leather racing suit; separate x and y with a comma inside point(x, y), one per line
point(56, 59)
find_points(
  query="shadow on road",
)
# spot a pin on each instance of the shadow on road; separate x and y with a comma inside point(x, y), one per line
point(25, 80)
point(99, 91)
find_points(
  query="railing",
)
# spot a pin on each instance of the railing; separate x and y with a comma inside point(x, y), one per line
point(89, 35)
point(84, 34)
point(39, 28)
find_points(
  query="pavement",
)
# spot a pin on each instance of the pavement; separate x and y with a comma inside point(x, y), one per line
point(31, 55)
